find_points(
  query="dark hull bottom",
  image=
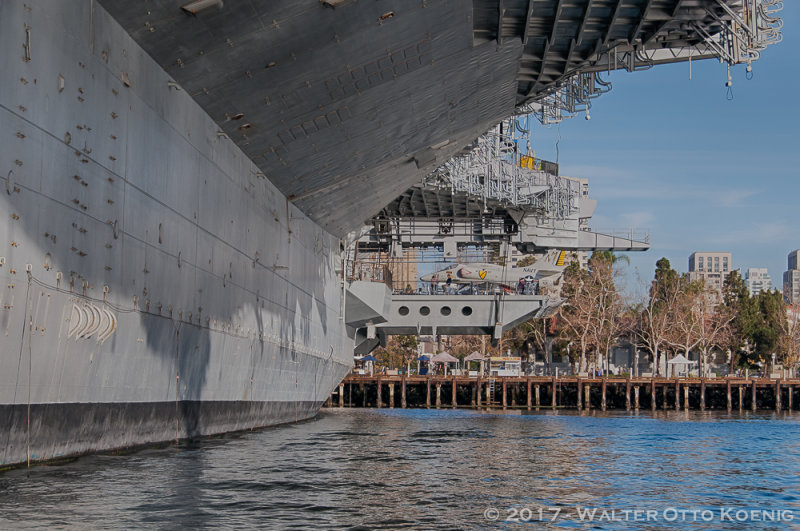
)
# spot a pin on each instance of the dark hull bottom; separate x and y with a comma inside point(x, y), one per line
point(64, 430)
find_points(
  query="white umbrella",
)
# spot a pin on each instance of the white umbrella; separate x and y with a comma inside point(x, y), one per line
point(444, 357)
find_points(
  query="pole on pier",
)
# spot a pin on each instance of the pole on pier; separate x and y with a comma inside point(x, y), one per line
point(479, 385)
point(474, 395)
point(391, 395)
point(755, 400)
point(505, 392)
point(777, 395)
point(438, 395)
point(702, 394)
point(380, 402)
point(627, 394)
point(580, 396)
point(603, 399)
point(341, 395)
point(677, 395)
point(555, 397)
point(454, 400)
point(791, 392)
point(428, 393)
point(488, 394)
point(538, 396)
point(403, 403)
point(363, 395)
point(636, 397)
point(529, 394)
point(730, 402)
point(741, 397)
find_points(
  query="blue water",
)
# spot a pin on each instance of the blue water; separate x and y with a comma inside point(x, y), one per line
point(438, 469)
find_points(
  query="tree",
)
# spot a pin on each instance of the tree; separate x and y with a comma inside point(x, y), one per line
point(575, 315)
point(744, 309)
point(789, 339)
point(529, 337)
point(716, 327)
point(686, 330)
point(767, 332)
point(654, 321)
point(399, 351)
point(606, 323)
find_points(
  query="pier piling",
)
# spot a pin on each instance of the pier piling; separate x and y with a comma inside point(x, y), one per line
point(653, 395)
point(702, 395)
point(627, 394)
point(587, 394)
point(428, 394)
point(603, 398)
point(529, 395)
point(609, 393)
point(730, 403)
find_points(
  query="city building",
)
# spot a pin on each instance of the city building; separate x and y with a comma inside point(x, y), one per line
point(711, 268)
point(791, 279)
point(758, 280)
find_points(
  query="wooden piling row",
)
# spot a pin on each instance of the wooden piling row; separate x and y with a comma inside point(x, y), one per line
point(477, 392)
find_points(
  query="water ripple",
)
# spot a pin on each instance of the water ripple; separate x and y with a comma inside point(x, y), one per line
point(422, 469)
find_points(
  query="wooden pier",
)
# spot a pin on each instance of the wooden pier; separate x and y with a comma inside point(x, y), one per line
point(539, 392)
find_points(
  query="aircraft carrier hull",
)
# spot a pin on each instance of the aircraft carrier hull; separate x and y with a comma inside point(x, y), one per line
point(153, 284)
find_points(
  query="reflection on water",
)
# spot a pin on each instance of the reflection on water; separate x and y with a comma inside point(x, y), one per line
point(428, 468)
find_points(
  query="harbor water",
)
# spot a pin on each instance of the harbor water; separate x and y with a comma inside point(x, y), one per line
point(437, 469)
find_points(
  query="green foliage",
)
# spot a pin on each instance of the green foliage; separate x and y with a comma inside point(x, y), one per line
point(757, 325)
point(767, 332)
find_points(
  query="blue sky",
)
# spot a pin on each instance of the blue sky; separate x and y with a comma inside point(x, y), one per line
point(701, 172)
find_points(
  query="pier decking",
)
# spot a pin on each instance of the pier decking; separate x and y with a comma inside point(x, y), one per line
point(537, 392)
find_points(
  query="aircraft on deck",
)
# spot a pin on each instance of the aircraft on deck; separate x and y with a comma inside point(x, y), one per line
point(548, 268)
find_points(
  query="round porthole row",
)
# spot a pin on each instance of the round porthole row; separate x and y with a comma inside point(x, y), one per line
point(466, 311)
point(403, 310)
point(445, 310)
point(424, 310)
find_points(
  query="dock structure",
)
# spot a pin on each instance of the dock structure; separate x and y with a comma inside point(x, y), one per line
point(570, 392)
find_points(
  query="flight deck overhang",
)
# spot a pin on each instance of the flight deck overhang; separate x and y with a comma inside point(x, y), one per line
point(344, 105)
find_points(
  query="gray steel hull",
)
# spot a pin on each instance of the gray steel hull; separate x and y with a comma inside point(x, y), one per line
point(153, 284)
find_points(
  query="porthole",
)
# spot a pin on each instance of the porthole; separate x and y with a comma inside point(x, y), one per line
point(424, 310)
point(466, 311)
point(403, 310)
point(445, 310)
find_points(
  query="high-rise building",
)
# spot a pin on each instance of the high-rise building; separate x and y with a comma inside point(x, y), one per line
point(793, 259)
point(711, 268)
point(791, 279)
point(758, 280)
